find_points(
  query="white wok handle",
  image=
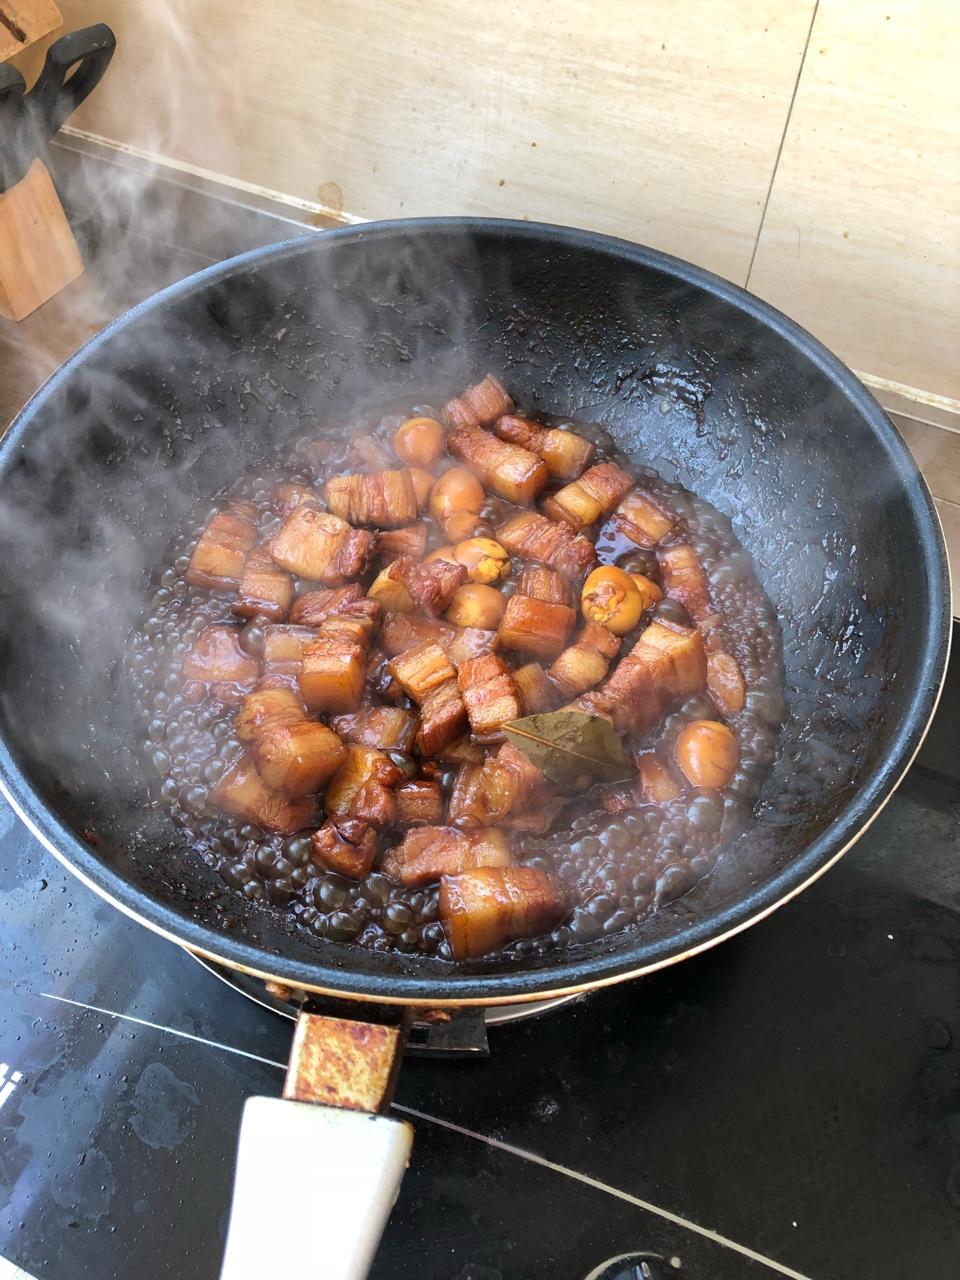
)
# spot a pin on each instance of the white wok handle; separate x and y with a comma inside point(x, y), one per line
point(313, 1190)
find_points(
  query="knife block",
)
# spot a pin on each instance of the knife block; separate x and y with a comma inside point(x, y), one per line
point(38, 254)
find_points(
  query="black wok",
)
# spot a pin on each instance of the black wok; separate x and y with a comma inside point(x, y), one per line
point(712, 386)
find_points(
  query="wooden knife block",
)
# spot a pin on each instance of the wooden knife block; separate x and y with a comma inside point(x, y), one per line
point(38, 254)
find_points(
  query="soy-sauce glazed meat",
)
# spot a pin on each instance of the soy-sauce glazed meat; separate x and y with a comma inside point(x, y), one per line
point(339, 662)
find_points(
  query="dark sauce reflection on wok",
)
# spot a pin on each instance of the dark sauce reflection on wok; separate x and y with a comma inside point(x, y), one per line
point(613, 853)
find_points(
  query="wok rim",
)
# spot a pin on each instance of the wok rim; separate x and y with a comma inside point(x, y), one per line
point(563, 976)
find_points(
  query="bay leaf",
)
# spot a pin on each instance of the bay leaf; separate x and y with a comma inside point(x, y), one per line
point(566, 745)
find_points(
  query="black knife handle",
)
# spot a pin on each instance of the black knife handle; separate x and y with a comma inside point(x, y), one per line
point(56, 95)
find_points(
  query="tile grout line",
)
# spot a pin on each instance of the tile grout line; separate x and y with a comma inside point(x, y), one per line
point(519, 1152)
point(783, 139)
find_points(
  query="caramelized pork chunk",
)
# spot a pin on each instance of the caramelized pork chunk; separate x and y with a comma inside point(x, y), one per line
point(586, 662)
point(264, 591)
point(535, 627)
point(533, 537)
point(298, 759)
point(217, 660)
point(321, 547)
point(265, 709)
point(725, 683)
point(363, 787)
point(640, 518)
point(590, 498)
point(386, 728)
point(347, 847)
point(655, 782)
point(386, 499)
point(666, 664)
point(314, 608)
point(422, 670)
point(423, 856)
point(287, 496)
point(488, 693)
point(432, 584)
point(411, 540)
point(443, 719)
point(419, 803)
point(468, 642)
point(483, 909)
point(221, 551)
point(390, 591)
point(244, 794)
point(548, 585)
point(565, 453)
point(507, 470)
point(479, 405)
point(514, 793)
point(534, 690)
point(332, 673)
point(684, 579)
point(403, 631)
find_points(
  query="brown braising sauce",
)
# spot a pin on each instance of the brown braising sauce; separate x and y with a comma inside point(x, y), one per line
point(332, 657)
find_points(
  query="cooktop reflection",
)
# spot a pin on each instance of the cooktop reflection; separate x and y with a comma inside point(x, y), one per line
point(785, 1105)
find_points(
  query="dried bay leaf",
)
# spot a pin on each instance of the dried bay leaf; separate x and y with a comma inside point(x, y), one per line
point(565, 745)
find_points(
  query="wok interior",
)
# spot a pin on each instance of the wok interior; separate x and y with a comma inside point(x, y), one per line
point(173, 401)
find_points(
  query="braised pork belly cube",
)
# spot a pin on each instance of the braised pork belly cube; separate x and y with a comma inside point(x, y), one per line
point(217, 661)
point(479, 405)
point(667, 664)
point(541, 583)
point(684, 579)
point(534, 691)
point(462, 750)
point(242, 793)
point(347, 847)
point(532, 536)
point(332, 673)
point(640, 518)
point(386, 499)
point(535, 627)
point(565, 453)
point(285, 642)
point(443, 719)
point(403, 631)
point(483, 909)
point(367, 451)
point(468, 642)
point(431, 583)
point(390, 591)
point(264, 591)
point(298, 759)
point(411, 540)
point(422, 670)
point(427, 854)
point(505, 469)
point(316, 608)
point(466, 807)
point(590, 498)
point(488, 693)
point(363, 787)
point(287, 496)
point(586, 662)
point(419, 803)
point(725, 682)
point(221, 551)
point(265, 709)
point(321, 547)
point(387, 728)
point(655, 782)
point(515, 793)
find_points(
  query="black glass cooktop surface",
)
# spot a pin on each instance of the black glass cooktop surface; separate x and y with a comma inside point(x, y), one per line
point(787, 1104)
